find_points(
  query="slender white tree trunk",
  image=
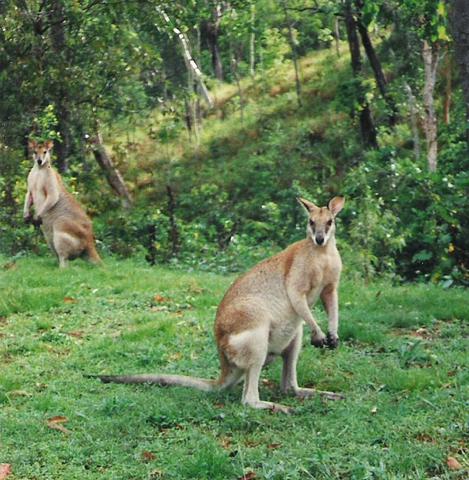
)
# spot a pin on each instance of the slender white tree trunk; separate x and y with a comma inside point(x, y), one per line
point(252, 42)
point(337, 36)
point(191, 64)
point(431, 57)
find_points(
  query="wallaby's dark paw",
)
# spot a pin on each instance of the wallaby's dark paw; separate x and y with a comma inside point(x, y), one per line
point(28, 219)
point(36, 221)
point(332, 341)
point(318, 342)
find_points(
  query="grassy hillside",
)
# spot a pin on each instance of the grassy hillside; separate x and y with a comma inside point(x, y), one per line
point(401, 365)
point(233, 187)
point(270, 124)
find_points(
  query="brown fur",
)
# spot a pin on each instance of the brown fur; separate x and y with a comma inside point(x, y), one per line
point(261, 315)
point(67, 228)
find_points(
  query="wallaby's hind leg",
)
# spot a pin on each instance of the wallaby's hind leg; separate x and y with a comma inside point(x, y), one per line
point(251, 392)
point(290, 359)
point(64, 245)
point(289, 380)
point(252, 346)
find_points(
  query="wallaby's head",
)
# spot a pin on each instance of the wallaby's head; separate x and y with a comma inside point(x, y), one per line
point(41, 151)
point(321, 220)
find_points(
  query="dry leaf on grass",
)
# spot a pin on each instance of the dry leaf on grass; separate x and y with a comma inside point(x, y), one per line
point(274, 446)
point(70, 300)
point(148, 456)
point(19, 393)
point(160, 299)
point(5, 470)
point(76, 334)
point(248, 476)
point(9, 266)
point(225, 442)
point(453, 464)
point(56, 423)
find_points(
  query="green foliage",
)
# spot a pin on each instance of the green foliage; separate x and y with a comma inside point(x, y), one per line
point(45, 125)
point(235, 170)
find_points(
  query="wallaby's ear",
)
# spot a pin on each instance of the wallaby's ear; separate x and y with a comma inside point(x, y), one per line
point(306, 204)
point(336, 205)
point(32, 144)
point(48, 144)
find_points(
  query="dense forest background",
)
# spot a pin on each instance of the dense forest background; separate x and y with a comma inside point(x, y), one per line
point(188, 128)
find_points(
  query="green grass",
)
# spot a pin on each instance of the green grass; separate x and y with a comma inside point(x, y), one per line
point(402, 365)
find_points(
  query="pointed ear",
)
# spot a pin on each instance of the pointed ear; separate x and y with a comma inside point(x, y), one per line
point(48, 144)
point(32, 144)
point(307, 205)
point(336, 205)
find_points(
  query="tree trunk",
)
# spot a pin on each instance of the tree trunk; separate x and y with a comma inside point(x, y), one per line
point(460, 30)
point(213, 33)
point(234, 72)
point(413, 120)
point(174, 232)
point(291, 40)
point(376, 66)
point(191, 64)
point(113, 176)
point(337, 35)
point(367, 127)
point(252, 42)
point(56, 16)
point(430, 53)
point(448, 87)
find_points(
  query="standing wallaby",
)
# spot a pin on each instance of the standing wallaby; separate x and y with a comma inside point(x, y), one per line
point(261, 315)
point(67, 228)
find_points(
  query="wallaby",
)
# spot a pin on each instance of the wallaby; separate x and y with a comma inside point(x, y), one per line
point(67, 228)
point(261, 315)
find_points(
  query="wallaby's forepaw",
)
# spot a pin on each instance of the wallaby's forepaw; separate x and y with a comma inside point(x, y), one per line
point(332, 341)
point(318, 340)
point(36, 221)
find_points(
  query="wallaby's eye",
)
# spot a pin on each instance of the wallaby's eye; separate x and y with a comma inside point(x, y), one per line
point(311, 222)
point(329, 223)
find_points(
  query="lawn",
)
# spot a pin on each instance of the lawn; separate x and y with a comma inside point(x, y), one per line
point(402, 366)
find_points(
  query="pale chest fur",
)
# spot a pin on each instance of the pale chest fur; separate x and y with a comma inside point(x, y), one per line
point(40, 183)
point(317, 273)
point(324, 271)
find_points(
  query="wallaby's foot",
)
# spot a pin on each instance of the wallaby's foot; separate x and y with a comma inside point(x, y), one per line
point(63, 263)
point(319, 340)
point(332, 341)
point(274, 407)
point(311, 392)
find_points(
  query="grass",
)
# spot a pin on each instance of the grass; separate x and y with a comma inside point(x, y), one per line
point(402, 365)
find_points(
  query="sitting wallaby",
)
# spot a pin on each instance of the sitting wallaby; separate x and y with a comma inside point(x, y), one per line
point(67, 228)
point(261, 315)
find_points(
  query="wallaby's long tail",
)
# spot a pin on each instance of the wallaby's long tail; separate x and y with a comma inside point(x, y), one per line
point(162, 380)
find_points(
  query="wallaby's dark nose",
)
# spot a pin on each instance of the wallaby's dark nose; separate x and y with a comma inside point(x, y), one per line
point(319, 240)
point(39, 161)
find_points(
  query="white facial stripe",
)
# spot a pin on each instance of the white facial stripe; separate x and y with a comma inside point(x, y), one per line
point(327, 235)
